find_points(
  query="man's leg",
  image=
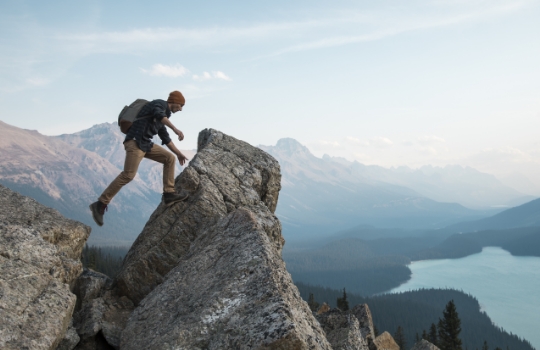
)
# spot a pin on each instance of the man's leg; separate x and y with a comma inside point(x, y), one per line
point(161, 155)
point(134, 155)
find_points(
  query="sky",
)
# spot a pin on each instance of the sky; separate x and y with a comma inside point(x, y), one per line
point(391, 83)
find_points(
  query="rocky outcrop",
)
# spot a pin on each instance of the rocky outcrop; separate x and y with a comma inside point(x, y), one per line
point(424, 345)
point(342, 330)
point(226, 174)
point(39, 260)
point(363, 314)
point(207, 273)
point(385, 342)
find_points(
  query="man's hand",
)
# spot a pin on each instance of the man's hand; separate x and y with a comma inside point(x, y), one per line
point(179, 133)
point(181, 158)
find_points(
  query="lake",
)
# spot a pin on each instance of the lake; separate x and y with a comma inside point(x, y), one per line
point(507, 287)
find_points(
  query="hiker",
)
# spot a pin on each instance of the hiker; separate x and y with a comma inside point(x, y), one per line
point(150, 121)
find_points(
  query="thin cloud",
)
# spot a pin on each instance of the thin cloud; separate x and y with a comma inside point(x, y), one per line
point(214, 75)
point(161, 70)
point(430, 140)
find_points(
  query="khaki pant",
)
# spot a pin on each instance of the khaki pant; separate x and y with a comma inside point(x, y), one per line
point(134, 155)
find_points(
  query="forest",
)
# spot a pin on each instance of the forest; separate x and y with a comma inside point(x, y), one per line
point(416, 311)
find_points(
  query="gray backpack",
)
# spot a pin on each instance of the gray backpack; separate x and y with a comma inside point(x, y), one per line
point(129, 114)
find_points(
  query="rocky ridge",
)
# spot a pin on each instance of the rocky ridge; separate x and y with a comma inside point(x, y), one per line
point(206, 273)
point(39, 261)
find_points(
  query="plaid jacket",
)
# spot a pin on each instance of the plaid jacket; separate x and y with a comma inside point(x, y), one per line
point(143, 130)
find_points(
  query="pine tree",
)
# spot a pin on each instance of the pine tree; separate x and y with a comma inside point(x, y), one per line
point(399, 338)
point(417, 337)
point(425, 335)
point(449, 328)
point(432, 337)
point(313, 305)
point(343, 303)
point(485, 346)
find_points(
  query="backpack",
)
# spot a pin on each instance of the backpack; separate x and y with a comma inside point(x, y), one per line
point(129, 114)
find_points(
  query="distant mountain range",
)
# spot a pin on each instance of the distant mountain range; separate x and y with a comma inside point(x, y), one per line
point(320, 196)
point(325, 195)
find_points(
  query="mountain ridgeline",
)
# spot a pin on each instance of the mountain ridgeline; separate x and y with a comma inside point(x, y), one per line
point(319, 196)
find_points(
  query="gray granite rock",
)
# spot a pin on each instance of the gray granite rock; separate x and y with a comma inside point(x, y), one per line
point(70, 340)
point(207, 273)
point(39, 260)
point(342, 330)
point(424, 345)
point(363, 314)
point(101, 315)
point(226, 174)
point(385, 341)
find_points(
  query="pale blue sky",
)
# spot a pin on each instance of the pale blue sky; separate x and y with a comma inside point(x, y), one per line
point(387, 82)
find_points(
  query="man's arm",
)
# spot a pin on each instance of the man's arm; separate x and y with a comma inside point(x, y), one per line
point(181, 158)
point(167, 122)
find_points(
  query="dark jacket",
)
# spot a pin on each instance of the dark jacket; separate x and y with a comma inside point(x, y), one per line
point(148, 124)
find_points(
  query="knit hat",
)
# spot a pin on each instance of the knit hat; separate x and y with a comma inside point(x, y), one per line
point(176, 97)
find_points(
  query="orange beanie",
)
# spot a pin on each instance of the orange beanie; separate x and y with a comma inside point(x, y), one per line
point(176, 97)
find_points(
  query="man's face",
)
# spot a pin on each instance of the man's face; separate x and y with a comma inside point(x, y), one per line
point(175, 107)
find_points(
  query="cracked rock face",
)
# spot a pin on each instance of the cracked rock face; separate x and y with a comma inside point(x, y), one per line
point(207, 273)
point(226, 174)
point(39, 260)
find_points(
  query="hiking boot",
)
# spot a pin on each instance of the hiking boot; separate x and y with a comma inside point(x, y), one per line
point(173, 197)
point(98, 210)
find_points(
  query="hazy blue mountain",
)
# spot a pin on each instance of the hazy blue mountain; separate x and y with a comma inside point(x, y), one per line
point(321, 196)
point(452, 183)
point(525, 215)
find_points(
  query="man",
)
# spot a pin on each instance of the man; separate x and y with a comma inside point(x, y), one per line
point(153, 118)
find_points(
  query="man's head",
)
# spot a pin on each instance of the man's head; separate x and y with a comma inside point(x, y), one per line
point(176, 101)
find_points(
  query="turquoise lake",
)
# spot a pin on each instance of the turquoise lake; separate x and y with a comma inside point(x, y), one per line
point(507, 287)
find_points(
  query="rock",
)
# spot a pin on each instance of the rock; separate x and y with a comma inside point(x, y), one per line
point(363, 314)
point(324, 308)
point(71, 339)
point(424, 345)
point(385, 342)
point(226, 174)
point(207, 273)
point(342, 330)
point(90, 285)
point(101, 314)
point(39, 260)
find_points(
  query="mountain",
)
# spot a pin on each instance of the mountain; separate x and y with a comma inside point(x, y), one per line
point(69, 179)
point(321, 196)
point(452, 183)
point(525, 215)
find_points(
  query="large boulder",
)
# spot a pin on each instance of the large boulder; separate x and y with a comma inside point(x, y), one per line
point(226, 174)
point(40, 254)
point(342, 330)
point(207, 273)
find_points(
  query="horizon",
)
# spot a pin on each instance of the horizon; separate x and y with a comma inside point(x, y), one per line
point(426, 83)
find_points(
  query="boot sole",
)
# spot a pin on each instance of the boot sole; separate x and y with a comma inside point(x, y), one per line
point(93, 217)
